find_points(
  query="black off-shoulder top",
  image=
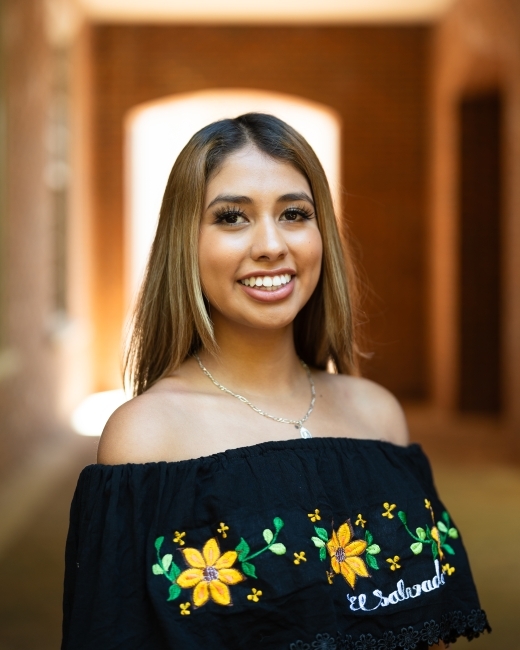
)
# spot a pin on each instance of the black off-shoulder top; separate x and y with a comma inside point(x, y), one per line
point(328, 543)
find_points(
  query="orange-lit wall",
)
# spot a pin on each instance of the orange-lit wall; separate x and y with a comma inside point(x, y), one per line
point(28, 384)
point(44, 354)
point(375, 77)
point(476, 49)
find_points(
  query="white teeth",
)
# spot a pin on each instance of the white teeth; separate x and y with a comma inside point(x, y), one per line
point(268, 282)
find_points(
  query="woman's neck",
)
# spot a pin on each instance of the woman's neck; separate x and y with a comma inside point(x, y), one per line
point(260, 362)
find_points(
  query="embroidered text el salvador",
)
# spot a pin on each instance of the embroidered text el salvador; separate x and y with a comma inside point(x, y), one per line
point(401, 593)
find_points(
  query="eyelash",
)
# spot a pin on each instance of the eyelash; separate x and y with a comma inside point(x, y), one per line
point(222, 213)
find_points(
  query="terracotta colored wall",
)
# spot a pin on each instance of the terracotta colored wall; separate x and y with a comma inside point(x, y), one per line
point(27, 384)
point(476, 49)
point(375, 77)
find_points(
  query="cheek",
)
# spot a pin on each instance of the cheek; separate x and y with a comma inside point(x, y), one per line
point(312, 254)
point(216, 259)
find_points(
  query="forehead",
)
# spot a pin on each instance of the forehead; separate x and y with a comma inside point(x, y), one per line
point(249, 172)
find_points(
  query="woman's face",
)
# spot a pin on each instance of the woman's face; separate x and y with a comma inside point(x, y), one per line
point(260, 249)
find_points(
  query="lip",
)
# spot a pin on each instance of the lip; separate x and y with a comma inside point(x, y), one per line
point(271, 274)
point(269, 296)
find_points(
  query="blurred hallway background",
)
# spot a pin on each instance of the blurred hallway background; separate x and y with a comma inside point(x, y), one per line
point(418, 111)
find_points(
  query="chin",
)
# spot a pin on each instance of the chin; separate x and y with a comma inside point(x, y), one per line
point(262, 319)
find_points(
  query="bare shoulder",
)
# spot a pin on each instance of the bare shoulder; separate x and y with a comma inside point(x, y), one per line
point(377, 410)
point(137, 431)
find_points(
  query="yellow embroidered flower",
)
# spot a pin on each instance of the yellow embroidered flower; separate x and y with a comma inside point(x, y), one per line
point(178, 538)
point(394, 562)
point(427, 504)
point(437, 538)
point(185, 609)
point(388, 507)
point(314, 516)
point(255, 595)
point(448, 569)
point(344, 552)
point(222, 529)
point(299, 557)
point(360, 521)
point(209, 574)
point(330, 577)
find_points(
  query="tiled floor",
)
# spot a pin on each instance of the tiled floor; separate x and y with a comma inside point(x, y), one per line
point(478, 476)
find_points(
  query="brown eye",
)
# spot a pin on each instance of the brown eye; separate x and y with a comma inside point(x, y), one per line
point(230, 216)
point(297, 214)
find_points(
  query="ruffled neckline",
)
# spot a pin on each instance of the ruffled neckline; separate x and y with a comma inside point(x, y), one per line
point(344, 445)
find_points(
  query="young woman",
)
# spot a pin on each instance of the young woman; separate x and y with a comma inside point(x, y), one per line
point(247, 497)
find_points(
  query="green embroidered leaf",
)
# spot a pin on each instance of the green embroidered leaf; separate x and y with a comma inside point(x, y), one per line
point(453, 533)
point(158, 543)
point(322, 533)
point(249, 569)
point(428, 533)
point(402, 516)
point(323, 553)
point(442, 527)
point(268, 535)
point(446, 518)
point(278, 549)
point(242, 548)
point(157, 571)
point(371, 561)
point(278, 524)
point(421, 533)
point(174, 592)
point(175, 572)
point(435, 551)
point(369, 538)
point(166, 561)
point(318, 542)
point(373, 549)
point(416, 548)
point(448, 549)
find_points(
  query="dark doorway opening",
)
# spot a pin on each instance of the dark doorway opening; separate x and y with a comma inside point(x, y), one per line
point(480, 254)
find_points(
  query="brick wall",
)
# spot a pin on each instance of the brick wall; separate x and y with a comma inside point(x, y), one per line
point(375, 77)
point(27, 382)
point(476, 49)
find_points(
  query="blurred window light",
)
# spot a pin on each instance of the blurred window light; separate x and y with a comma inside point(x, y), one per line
point(90, 417)
point(157, 132)
point(267, 11)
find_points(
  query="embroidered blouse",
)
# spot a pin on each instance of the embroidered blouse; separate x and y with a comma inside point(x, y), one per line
point(328, 543)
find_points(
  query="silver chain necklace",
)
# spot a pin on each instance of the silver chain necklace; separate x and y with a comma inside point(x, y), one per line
point(305, 433)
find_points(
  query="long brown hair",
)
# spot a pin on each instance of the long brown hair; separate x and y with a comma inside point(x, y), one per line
point(171, 319)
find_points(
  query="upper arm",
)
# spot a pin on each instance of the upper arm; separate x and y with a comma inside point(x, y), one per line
point(382, 413)
point(393, 420)
point(131, 435)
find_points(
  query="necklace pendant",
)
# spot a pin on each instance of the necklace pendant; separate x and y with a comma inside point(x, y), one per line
point(305, 433)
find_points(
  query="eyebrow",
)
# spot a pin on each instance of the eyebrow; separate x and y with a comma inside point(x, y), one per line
point(229, 198)
point(296, 196)
point(285, 198)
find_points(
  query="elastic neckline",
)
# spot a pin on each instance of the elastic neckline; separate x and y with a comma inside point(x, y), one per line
point(296, 444)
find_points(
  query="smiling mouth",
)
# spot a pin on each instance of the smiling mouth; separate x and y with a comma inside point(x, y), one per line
point(267, 282)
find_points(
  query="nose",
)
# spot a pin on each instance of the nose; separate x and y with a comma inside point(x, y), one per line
point(268, 241)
